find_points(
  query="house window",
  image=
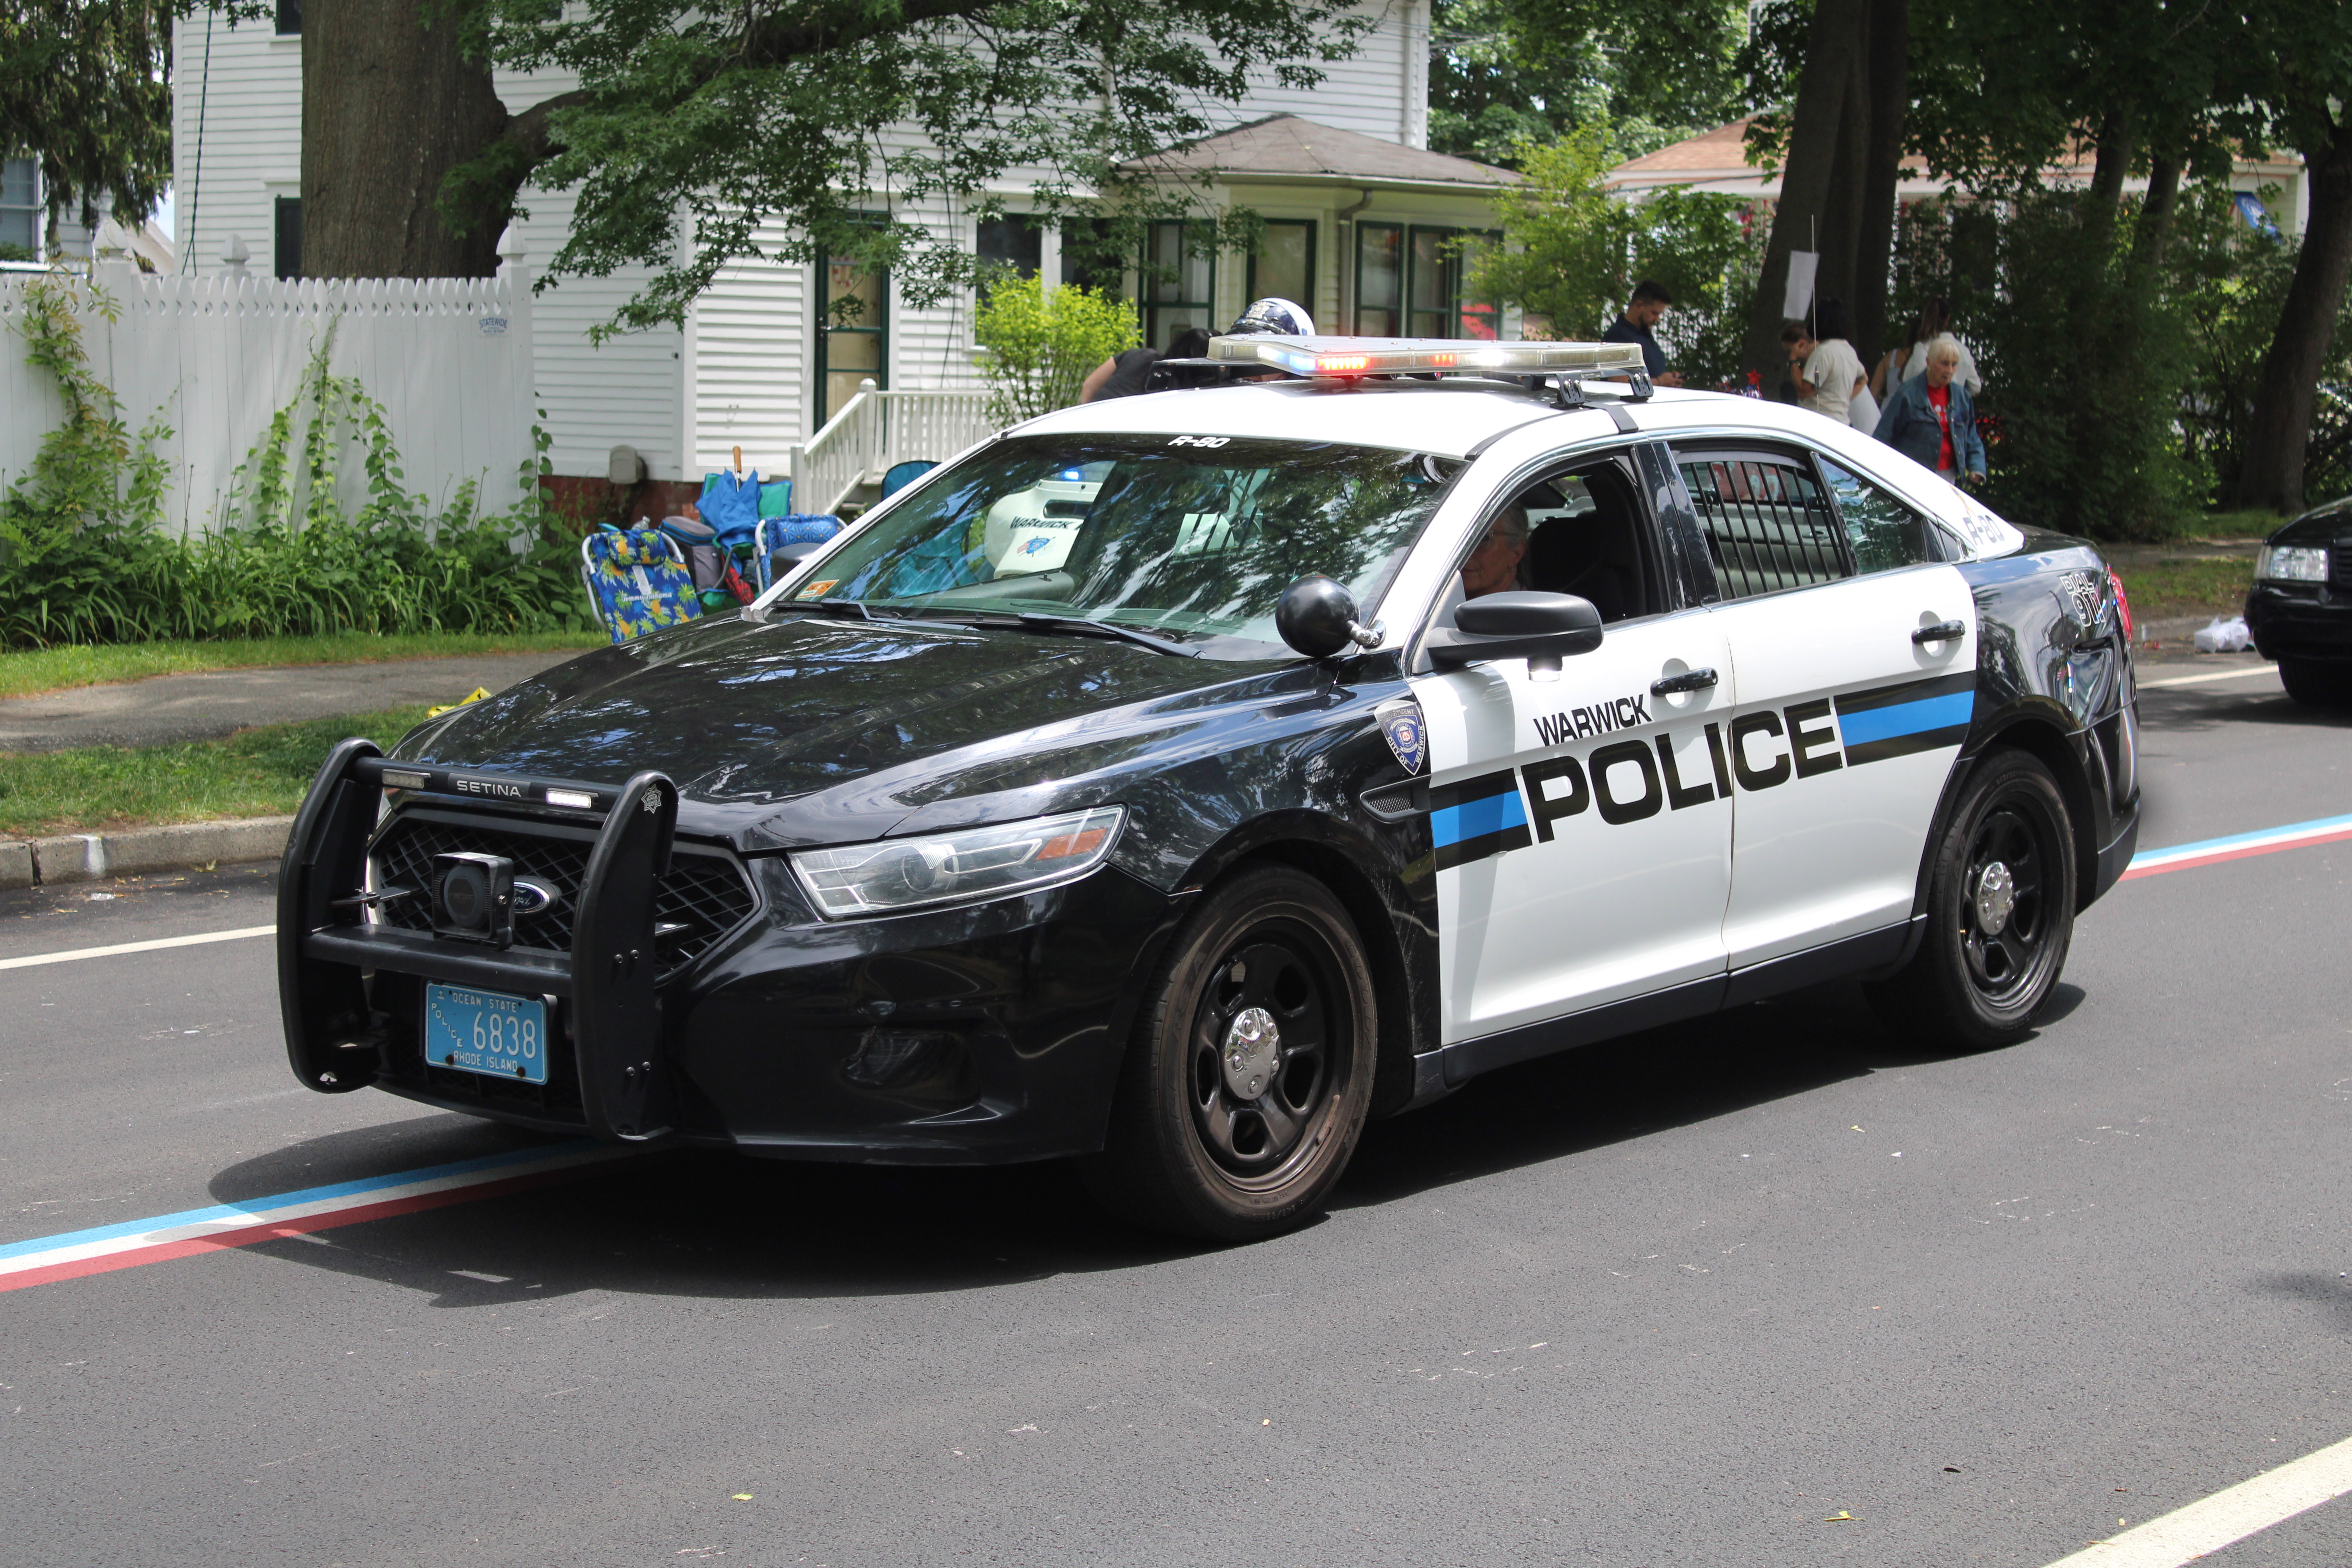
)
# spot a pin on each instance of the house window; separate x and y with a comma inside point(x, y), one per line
point(20, 210)
point(1179, 282)
point(1017, 244)
point(1083, 262)
point(287, 232)
point(1380, 280)
point(852, 333)
point(290, 18)
point(1284, 265)
point(1435, 273)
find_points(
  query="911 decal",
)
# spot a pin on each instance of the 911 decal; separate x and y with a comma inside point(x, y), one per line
point(1632, 780)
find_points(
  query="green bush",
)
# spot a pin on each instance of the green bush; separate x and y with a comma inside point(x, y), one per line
point(1038, 347)
point(84, 556)
point(1572, 252)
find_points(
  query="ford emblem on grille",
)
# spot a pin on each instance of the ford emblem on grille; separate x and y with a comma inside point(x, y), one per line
point(534, 896)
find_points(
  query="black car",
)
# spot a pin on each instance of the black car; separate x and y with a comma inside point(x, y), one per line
point(1178, 781)
point(2300, 607)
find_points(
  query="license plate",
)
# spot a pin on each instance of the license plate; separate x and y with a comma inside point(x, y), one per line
point(484, 1032)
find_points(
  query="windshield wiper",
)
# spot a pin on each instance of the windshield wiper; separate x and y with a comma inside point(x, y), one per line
point(840, 609)
point(1059, 625)
point(1078, 625)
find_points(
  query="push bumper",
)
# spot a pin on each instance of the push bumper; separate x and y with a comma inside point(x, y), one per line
point(982, 1034)
point(338, 1039)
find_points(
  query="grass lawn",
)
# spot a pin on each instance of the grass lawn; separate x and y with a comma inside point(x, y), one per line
point(33, 672)
point(2187, 588)
point(255, 773)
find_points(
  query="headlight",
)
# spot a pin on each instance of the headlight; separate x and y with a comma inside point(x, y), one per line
point(2291, 563)
point(957, 867)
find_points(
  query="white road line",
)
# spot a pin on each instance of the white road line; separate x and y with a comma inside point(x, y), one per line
point(2209, 677)
point(159, 942)
point(2187, 1533)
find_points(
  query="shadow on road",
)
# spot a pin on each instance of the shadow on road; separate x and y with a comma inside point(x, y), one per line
point(715, 1225)
point(2201, 709)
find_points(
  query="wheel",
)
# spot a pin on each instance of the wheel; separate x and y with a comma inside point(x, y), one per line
point(1250, 1074)
point(2316, 685)
point(2001, 913)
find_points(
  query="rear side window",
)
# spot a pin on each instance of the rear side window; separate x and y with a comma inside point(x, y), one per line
point(1768, 522)
point(1885, 533)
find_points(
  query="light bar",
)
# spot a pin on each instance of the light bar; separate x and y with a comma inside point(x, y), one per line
point(1422, 356)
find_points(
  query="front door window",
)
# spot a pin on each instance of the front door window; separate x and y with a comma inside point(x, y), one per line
point(852, 334)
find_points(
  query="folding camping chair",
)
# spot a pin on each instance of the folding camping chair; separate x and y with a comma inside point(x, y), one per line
point(784, 541)
point(636, 582)
point(901, 475)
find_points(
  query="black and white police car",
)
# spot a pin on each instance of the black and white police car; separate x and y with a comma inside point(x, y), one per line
point(1145, 786)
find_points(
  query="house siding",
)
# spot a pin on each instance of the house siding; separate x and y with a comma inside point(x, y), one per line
point(742, 374)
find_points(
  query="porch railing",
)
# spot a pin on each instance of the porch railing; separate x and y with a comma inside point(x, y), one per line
point(875, 430)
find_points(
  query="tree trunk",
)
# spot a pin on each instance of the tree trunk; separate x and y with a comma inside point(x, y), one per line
point(1805, 175)
point(2287, 389)
point(1890, 95)
point(2156, 212)
point(1842, 208)
point(390, 105)
point(2112, 166)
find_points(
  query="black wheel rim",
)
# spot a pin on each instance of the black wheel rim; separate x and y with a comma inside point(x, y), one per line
point(1284, 973)
point(2008, 915)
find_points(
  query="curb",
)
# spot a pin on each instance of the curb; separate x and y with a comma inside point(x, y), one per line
point(93, 856)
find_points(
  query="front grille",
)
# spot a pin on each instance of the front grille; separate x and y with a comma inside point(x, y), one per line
point(2339, 565)
point(704, 895)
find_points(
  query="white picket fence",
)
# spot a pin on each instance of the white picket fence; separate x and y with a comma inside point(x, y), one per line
point(215, 358)
point(878, 429)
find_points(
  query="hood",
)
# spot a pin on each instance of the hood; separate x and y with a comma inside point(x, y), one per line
point(811, 731)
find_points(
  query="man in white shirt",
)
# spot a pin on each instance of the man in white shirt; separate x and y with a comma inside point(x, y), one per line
point(1827, 370)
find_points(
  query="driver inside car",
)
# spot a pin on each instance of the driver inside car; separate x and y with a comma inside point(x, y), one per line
point(1493, 566)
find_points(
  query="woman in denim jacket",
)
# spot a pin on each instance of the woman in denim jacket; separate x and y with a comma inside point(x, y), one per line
point(1933, 421)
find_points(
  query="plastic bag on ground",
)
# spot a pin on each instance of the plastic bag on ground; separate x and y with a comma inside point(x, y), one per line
point(2224, 635)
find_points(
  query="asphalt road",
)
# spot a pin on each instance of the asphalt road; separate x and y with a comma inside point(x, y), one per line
point(1678, 1298)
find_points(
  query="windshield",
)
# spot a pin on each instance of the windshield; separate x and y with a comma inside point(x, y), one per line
point(1190, 538)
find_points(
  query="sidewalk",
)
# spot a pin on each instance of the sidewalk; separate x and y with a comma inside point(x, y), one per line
point(171, 708)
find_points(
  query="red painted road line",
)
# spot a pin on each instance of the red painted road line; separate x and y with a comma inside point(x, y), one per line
point(274, 1229)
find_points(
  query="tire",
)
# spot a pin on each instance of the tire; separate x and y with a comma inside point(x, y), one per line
point(1982, 971)
point(1191, 1149)
point(2316, 685)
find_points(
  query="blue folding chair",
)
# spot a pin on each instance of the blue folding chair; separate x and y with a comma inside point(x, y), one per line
point(901, 475)
point(636, 582)
point(784, 541)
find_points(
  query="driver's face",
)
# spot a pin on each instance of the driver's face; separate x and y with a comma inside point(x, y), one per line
point(1493, 566)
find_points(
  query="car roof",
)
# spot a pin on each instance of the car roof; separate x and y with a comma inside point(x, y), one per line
point(1450, 418)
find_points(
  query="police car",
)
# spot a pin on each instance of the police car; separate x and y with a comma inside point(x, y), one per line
point(1177, 783)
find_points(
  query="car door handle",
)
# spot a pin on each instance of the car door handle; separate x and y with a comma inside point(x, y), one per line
point(1688, 681)
point(1942, 631)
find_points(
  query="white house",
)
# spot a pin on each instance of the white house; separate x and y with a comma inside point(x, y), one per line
point(1357, 211)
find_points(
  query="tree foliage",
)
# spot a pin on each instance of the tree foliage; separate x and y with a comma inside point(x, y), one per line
point(1572, 252)
point(85, 89)
point(805, 129)
point(1507, 74)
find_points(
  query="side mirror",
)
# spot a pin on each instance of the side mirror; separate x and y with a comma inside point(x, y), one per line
point(1537, 628)
point(1316, 616)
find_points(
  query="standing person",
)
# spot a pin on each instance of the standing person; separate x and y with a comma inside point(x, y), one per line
point(1643, 313)
point(1129, 371)
point(1933, 420)
point(1908, 361)
point(1827, 370)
